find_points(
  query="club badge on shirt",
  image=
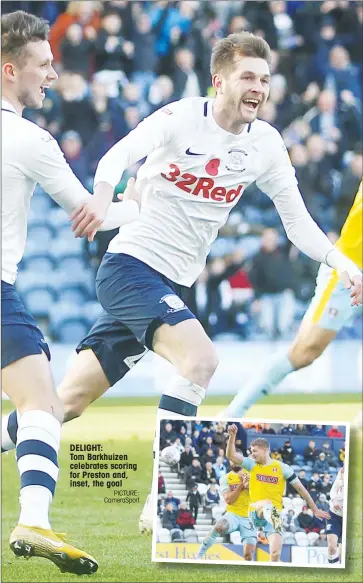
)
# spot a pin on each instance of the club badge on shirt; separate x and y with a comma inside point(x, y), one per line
point(237, 159)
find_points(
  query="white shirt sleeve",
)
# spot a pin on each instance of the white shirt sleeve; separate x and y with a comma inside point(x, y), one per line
point(45, 163)
point(153, 132)
point(280, 184)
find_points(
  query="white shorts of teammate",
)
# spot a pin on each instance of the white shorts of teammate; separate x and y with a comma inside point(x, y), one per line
point(330, 308)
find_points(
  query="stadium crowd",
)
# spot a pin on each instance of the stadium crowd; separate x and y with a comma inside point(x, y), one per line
point(196, 452)
point(119, 61)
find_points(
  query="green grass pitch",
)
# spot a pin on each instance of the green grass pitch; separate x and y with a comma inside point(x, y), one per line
point(110, 533)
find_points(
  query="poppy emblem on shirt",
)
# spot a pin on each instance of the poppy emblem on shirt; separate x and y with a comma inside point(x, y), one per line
point(274, 469)
point(237, 160)
point(167, 111)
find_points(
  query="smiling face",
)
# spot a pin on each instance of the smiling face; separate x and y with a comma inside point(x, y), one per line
point(244, 89)
point(28, 78)
point(259, 454)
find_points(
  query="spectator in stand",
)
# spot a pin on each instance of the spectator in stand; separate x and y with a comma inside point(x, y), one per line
point(76, 111)
point(290, 522)
point(145, 59)
point(170, 499)
point(208, 475)
point(222, 454)
point(268, 430)
point(131, 96)
point(76, 157)
point(185, 519)
point(287, 429)
point(161, 484)
point(315, 485)
point(275, 454)
point(185, 78)
point(160, 92)
point(220, 468)
point(321, 465)
point(76, 49)
point(193, 473)
point(113, 53)
point(271, 276)
point(318, 430)
point(204, 433)
point(321, 541)
point(310, 452)
point(195, 441)
point(330, 456)
point(212, 497)
point(195, 500)
point(169, 517)
point(208, 457)
point(186, 458)
point(322, 502)
point(182, 434)
point(306, 520)
point(334, 432)
point(220, 436)
point(301, 429)
point(84, 13)
point(167, 435)
point(287, 452)
point(208, 444)
point(241, 438)
point(341, 74)
point(326, 484)
point(303, 480)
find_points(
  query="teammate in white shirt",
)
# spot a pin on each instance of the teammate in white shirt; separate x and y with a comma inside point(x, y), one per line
point(334, 527)
point(29, 156)
point(201, 155)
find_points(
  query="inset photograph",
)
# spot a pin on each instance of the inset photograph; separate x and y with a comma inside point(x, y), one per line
point(251, 492)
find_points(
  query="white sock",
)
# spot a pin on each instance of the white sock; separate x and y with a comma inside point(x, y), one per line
point(181, 398)
point(37, 456)
point(333, 558)
point(264, 382)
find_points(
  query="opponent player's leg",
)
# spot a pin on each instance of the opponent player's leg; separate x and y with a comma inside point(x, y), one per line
point(328, 312)
point(275, 545)
point(248, 538)
point(225, 525)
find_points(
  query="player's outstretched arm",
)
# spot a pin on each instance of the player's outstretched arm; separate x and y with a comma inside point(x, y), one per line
point(280, 184)
point(155, 131)
point(308, 499)
point(231, 453)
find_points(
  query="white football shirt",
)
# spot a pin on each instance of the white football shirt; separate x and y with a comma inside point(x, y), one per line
point(194, 174)
point(337, 494)
point(30, 155)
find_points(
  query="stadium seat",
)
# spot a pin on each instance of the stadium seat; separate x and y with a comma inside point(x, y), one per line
point(91, 311)
point(163, 535)
point(301, 539)
point(177, 535)
point(290, 540)
point(39, 301)
point(296, 468)
point(312, 536)
point(71, 331)
point(74, 295)
point(40, 203)
point(202, 488)
point(42, 234)
point(235, 538)
point(297, 504)
point(192, 537)
point(287, 503)
point(38, 262)
point(58, 218)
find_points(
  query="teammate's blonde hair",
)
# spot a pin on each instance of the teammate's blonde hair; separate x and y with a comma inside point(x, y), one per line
point(260, 442)
point(17, 30)
point(239, 44)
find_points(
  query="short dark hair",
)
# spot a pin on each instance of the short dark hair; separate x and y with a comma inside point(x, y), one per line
point(238, 44)
point(260, 442)
point(17, 30)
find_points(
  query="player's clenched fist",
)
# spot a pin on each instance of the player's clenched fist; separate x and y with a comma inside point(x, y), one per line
point(232, 430)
